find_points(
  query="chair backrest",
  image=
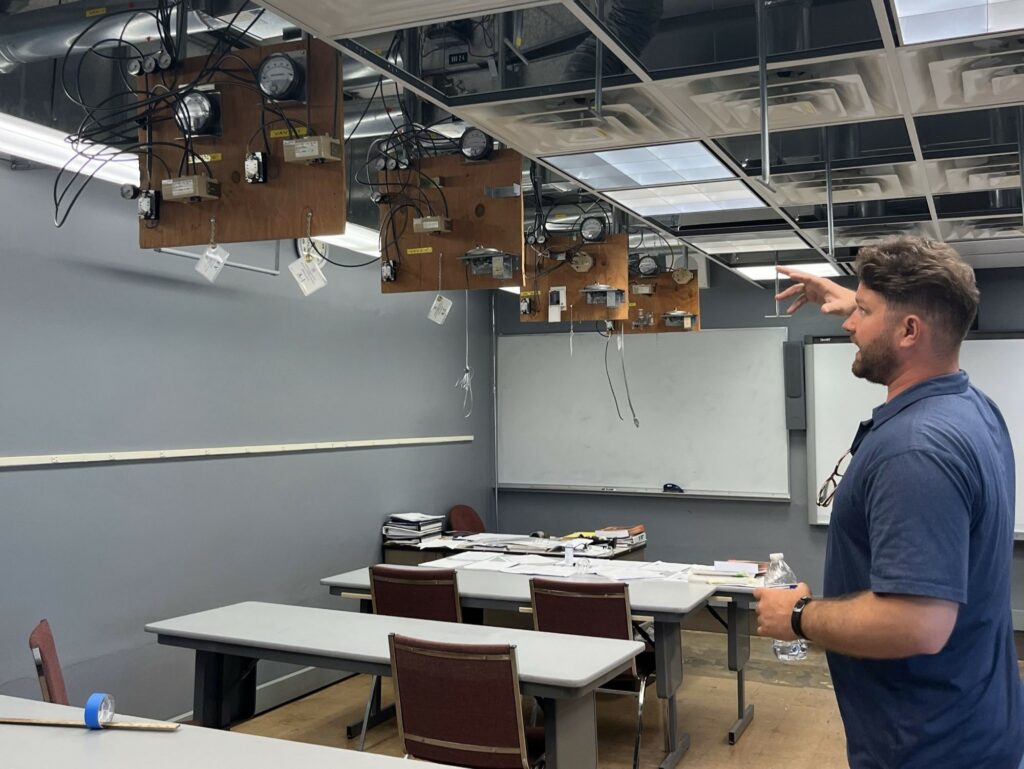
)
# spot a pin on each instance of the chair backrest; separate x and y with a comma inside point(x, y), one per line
point(416, 592)
point(465, 518)
point(459, 703)
point(44, 653)
point(598, 609)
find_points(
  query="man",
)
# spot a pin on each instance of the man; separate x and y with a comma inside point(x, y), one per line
point(915, 615)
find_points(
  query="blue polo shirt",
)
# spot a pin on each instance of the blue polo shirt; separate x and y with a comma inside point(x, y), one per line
point(925, 508)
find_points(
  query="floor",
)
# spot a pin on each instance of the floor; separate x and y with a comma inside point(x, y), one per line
point(796, 722)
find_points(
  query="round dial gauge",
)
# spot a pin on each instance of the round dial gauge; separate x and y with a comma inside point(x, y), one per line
point(280, 77)
point(475, 144)
point(647, 266)
point(315, 250)
point(592, 229)
point(195, 113)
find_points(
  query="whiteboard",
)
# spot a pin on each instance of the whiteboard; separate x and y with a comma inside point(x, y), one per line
point(837, 401)
point(711, 407)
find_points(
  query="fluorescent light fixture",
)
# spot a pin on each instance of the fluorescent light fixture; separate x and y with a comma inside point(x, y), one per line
point(41, 144)
point(687, 198)
point(642, 166)
point(748, 242)
point(923, 21)
point(767, 271)
point(511, 289)
point(362, 240)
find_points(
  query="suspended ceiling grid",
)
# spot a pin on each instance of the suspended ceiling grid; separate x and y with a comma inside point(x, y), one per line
point(924, 138)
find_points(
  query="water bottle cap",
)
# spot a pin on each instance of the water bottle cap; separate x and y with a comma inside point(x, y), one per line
point(776, 556)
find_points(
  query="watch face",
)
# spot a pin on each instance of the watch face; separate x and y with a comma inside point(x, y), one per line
point(592, 229)
point(194, 113)
point(279, 76)
point(475, 144)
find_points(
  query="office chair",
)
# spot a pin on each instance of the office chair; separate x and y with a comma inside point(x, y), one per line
point(44, 653)
point(410, 591)
point(465, 518)
point(460, 704)
point(599, 609)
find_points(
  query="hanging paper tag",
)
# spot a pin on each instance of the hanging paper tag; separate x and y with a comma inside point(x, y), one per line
point(212, 262)
point(439, 309)
point(308, 275)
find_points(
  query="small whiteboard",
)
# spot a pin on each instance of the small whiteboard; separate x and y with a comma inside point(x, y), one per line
point(711, 407)
point(837, 401)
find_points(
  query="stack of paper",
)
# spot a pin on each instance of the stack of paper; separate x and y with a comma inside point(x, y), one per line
point(411, 528)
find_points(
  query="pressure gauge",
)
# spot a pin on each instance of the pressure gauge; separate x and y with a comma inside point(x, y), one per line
point(592, 229)
point(647, 266)
point(280, 77)
point(475, 144)
point(196, 113)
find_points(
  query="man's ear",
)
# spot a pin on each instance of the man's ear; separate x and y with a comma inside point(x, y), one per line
point(911, 331)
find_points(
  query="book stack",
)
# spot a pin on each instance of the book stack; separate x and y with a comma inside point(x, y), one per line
point(411, 528)
point(623, 535)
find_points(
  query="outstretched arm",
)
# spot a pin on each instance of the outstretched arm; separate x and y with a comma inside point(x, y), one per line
point(807, 288)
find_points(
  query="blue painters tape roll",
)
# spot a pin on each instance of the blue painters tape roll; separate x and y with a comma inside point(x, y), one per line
point(99, 710)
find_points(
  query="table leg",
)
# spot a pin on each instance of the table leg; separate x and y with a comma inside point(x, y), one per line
point(376, 714)
point(668, 660)
point(225, 689)
point(739, 655)
point(570, 732)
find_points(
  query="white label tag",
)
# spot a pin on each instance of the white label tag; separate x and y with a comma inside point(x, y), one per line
point(182, 187)
point(439, 309)
point(307, 149)
point(211, 263)
point(308, 275)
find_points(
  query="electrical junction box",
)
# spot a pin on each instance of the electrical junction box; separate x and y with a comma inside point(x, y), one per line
point(599, 293)
point(428, 224)
point(256, 168)
point(190, 189)
point(313, 149)
point(679, 319)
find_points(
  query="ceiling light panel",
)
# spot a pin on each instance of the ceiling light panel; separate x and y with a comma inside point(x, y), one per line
point(849, 185)
point(972, 74)
point(687, 198)
point(748, 242)
point(569, 124)
point(974, 174)
point(982, 229)
point(923, 21)
point(642, 166)
point(806, 94)
point(766, 272)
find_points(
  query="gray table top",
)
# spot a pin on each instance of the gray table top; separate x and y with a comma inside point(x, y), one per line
point(548, 659)
point(189, 746)
point(666, 599)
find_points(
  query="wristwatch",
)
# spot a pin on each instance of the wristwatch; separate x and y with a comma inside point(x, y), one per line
point(797, 616)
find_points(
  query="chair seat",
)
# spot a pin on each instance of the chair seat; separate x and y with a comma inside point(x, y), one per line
point(534, 743)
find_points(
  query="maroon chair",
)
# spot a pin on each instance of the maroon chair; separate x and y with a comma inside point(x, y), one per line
point(415, 592)
point(44, 653)
point(599, 609)
point(465, 518)
point(460, 704)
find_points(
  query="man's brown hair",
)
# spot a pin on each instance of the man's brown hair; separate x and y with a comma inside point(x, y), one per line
point(926, 277)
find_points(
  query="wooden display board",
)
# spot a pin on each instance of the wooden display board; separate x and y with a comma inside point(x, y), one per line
point(248, 212)
point(430, 261)
point(610, 267)
point(668, 295)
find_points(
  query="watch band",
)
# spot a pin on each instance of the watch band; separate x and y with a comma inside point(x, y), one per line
point(796, 618)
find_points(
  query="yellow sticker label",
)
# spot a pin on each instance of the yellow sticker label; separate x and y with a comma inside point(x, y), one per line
point(529, 293)
point(90, 12)
point(284, 133)
point(424, 250)
point(213, 157)
point(632, 304)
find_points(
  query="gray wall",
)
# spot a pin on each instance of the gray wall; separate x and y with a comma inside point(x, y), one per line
point(103, 346)
point(699, 530)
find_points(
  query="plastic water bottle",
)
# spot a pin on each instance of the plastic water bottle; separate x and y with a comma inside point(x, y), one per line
point(780, 575)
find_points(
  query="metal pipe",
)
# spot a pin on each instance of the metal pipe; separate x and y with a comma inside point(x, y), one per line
point(1020, 154)
point(599, 66)
point(236, 265)
point(828, 194)
point(762, 68)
